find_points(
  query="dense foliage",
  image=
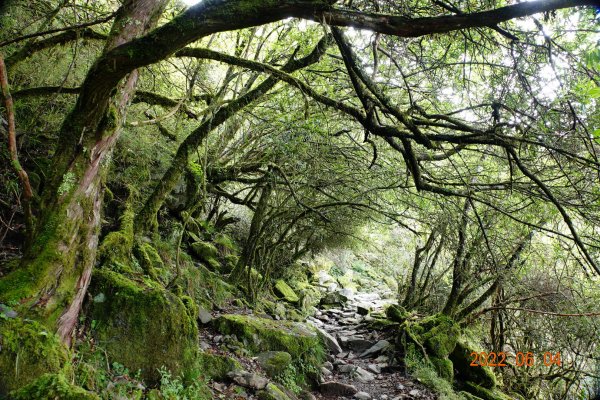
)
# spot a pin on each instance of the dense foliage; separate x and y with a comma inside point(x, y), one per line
point(456, 143)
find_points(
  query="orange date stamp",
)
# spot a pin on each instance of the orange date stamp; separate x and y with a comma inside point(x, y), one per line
point(493, 359)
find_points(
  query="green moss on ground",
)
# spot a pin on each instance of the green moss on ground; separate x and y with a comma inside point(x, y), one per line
point(27, 351)
point(143, 326)
point(216, 366)
point(52, 386)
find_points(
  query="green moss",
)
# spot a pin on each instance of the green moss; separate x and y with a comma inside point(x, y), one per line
point(461, 358)
point(52, 386)
point(261, 334)
point(272, 392)
point(443, 367)
point(285, 291)
point(143, 327)
point(151, 262)
point(116, 246)
point(27, 351)
point(216, 366)
point(273, 362)
point(485, 393)
point(397, 313)
point(204, 250)
point(206, 287)
point(440, 336)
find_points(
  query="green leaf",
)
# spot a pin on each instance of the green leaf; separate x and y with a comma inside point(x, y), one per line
point(594, 92)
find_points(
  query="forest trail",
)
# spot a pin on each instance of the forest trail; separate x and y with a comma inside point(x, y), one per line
point(365, 365)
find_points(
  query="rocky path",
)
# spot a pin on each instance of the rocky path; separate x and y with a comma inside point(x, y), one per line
point(361, 363)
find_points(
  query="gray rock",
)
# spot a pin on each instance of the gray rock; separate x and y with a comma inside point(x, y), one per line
point(358, 344)
point(375, 349)
point(333, 388)
point(332, 344)
point(328, 365)
point(363, 309)
point(346, 368)
point(362, 396)
point(326, 372)
point(362, 375)
point(374, 368)
point(414, 392)
point(204, 316)
point(248, 379)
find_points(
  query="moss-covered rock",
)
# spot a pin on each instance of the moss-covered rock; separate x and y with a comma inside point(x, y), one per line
point(27, 351)
point(461, 358)
point(273, 392)
point(216, 366)
point(52, 386)
point(208, 253)
point(143, 326)
point(283, 290)
point(396, 313)
point(261, 334)
point(273, 362)
point(440, 335)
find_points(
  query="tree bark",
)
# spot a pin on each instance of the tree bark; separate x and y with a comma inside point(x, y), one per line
point(56, 269)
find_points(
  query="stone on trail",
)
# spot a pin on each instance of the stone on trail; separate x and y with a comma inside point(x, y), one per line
point(204, 316)
point(330, 342)
point(333, 388)
point(248, 380)
point(363, 375)
point(283, 290)
point(376, 349)
point(362, 396)
point(375, 368)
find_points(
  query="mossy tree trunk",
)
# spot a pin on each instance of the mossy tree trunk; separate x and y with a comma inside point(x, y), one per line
point(57, 267)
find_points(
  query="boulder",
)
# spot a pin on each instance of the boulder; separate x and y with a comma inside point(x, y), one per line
point(362, 375)
point(261, 334)
point(334, 299)
point(330, 342)
point(143, 326)
point(283, 290)
point(207, 252)
point(273, 362)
